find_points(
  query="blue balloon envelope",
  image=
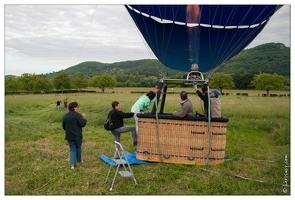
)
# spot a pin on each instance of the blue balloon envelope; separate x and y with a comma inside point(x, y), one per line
point(206, 35)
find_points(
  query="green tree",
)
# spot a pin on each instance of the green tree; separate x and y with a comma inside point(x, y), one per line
point(12, 84)
point(179, 75)
point(79, 81)
point(121, 77)
point(43, 84)
point(265, 81)
point(62, 81)
point(242, 81)
point(221, 81)
point(27, 82)
point(150, 81)
point(103, 81)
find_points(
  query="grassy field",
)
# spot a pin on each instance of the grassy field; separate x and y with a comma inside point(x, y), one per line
point(37, 156)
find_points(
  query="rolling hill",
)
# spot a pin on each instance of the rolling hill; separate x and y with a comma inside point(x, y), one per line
point(267, 58)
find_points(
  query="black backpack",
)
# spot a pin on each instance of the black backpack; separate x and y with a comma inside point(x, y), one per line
point(108, 124)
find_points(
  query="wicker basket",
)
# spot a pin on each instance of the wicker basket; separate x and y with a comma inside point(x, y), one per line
point(181, 141)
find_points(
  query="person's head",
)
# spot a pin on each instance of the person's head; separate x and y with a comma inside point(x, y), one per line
point(214, 93)
point(183, 95)
point(151, 95)
point(73, 106)
point(115, 105)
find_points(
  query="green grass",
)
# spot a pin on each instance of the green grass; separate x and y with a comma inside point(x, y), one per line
point(37, 156)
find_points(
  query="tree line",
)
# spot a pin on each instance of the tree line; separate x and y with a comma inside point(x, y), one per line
point(32, 83)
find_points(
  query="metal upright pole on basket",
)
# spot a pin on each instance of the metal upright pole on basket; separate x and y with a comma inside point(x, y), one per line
point(209, 124)
point(157, 127)
point(163, 99)
point(158, 94)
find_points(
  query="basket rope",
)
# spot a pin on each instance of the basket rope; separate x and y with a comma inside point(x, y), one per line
point(157, 126)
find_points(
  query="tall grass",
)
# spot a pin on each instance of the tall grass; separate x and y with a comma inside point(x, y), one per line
point(37, 156)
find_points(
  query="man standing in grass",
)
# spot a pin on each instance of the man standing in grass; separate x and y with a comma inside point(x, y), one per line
point(58, 105)
point(66, 104)
point(72, 124)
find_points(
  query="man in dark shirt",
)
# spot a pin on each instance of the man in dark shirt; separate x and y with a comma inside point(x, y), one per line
point(117, 117)
point(58, 105)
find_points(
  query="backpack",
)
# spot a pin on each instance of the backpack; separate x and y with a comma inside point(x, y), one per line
point(108, 124)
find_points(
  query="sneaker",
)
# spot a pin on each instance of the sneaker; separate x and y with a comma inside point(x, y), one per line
point(82, 161)
point(72, 167)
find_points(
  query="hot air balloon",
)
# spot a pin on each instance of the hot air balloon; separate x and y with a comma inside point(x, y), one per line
point(195, 39)
point(199, 37)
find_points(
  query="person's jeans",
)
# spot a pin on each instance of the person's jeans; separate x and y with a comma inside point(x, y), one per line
point(75, 151)
point(117, 132)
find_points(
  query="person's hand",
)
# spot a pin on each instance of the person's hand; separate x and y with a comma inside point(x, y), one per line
point(84, 115)
point(138, 113)
point(195, 86)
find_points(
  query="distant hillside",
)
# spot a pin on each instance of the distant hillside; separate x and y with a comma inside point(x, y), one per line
point(146, 67)
point(268, 58)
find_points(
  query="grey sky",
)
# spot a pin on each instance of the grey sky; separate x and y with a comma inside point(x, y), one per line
point(46, 38)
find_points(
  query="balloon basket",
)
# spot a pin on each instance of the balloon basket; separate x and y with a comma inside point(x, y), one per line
point(189, 141)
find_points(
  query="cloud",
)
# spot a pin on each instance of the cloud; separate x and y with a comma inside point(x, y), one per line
point(46, 38)
point(277, 29)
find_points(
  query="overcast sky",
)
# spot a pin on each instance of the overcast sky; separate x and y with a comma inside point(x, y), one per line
point(46, 38)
